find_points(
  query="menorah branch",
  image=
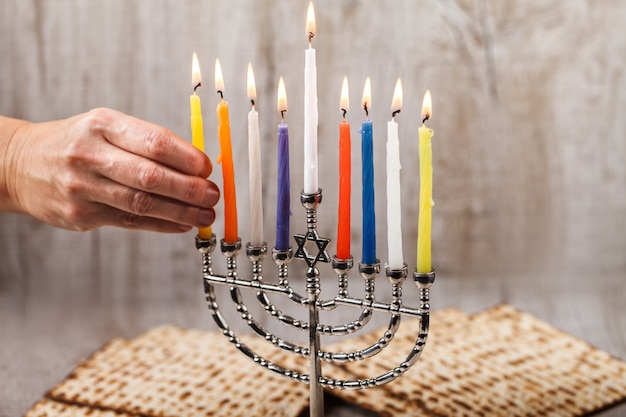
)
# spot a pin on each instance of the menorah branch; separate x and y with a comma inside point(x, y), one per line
point(355, 384)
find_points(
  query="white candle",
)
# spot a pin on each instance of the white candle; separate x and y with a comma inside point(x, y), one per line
point(394, 209)
point(254, 171)
point(310, 110)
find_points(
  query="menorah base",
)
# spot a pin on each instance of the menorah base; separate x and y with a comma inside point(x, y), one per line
point(313, 351)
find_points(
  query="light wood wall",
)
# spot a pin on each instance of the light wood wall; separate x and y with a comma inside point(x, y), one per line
point(529, 103)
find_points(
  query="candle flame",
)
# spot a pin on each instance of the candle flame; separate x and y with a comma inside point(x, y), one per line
point(282, 96)
point(367, 94)
point(251, 85)
point(219, 79)
point(396, 103)
point(196, 79)
point(310, 22)
point(344, 103)
point(427, 106)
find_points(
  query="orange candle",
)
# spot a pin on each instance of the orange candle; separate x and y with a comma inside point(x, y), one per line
point(343, 228)
point(225, 158)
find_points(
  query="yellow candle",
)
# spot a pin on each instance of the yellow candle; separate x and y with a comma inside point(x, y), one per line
point(231, 234)
point(197, 133)
point(424, 262)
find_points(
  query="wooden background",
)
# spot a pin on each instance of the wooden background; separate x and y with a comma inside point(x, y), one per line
point(529, 153)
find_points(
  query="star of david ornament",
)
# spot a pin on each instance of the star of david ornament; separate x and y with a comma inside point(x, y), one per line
point(320, 243)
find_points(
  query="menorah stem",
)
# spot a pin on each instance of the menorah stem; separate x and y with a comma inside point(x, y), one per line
point(316, 393)
point(310, 202)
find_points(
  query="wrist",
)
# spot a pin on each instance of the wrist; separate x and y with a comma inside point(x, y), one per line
point(11, 146)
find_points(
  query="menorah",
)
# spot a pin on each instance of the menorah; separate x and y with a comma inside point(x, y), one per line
point(312, 301)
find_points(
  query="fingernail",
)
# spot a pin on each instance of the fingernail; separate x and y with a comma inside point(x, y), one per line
point(206, 217)
point(211, 197)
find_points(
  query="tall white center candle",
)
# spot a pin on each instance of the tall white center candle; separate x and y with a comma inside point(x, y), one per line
point(254, 171)
point(310, 110)
point(394, 209)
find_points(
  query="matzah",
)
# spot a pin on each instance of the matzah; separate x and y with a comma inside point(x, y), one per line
point(51, 408)
point(173, 372)
point(502, 362)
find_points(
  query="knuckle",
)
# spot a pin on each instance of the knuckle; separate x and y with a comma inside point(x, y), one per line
point(77, 217)
point(130, 221)
point(141, 202)
point(77, 153)
point(72, 186)
point(187, 215)
point(151, 176)
point(159, 143)
point(82, 131)
point(94, 116)
point(94, 121)
point(193, 191)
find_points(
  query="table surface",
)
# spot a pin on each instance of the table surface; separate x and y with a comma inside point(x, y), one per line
point(46, 330)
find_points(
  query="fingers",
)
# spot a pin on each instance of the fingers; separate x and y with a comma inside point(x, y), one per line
point(120, 218)
point(150, 141)
point(93, 215)
point(141, 204)
point(142, 174)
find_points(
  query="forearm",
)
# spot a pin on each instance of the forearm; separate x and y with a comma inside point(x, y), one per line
point(9, 149)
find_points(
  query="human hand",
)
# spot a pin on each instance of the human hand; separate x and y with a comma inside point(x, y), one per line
point(104, 167)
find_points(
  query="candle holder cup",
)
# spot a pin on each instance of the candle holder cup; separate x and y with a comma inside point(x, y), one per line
point(312, 302)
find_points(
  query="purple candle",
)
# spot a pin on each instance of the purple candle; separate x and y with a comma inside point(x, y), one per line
point(282, 207)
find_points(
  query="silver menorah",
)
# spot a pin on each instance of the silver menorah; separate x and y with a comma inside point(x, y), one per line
point(314, 351)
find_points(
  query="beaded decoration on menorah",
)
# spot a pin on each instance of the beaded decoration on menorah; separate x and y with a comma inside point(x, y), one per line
point(314, 304)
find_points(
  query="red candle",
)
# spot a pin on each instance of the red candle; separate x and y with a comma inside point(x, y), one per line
point(343, 228)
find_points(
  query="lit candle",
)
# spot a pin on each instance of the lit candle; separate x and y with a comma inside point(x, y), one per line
point(394, 208)
point(197, 132)
point(424, 262)
point(343, 228)
point(226, 159)
point(254, 171)
point(282, 206)
point(367, 163)
point(310, 109)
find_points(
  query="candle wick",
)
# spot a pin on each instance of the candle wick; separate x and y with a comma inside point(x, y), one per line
point(196, 86)
point(311, 35)
point(393, 115)
point(252, 101)
point(426, 117)
point(367, 113)
point(282, 115)
point(221, 94)
point(344, 113)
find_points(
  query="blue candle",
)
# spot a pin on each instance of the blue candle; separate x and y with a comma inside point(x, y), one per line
point(282, 206)
point(367, 163)
point(369, 217)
